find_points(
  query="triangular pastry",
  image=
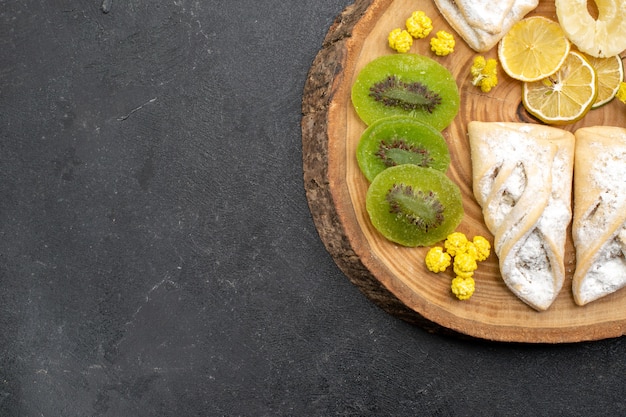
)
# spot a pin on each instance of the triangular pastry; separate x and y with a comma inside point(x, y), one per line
point(599, 226)
point(477, 35)
point(487, 15)
point(522, 179)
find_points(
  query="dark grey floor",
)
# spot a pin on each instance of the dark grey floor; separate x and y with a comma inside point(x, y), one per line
point(157, 254)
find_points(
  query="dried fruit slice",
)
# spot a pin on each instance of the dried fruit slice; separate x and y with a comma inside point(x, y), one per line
point(401, 140)
point(533, 49)
point(610, 72)
point(414, 206)
point(602, 36)
point(406, 84)
point(563, 97)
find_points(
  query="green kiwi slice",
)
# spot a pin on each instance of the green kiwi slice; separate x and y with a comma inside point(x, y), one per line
point(401, 140)
point(414, 206)
point(406, 84)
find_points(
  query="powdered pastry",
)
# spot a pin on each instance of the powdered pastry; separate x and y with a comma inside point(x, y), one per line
point(599, 226)
point(476, 21)
point(522, 179)
point(487, 15)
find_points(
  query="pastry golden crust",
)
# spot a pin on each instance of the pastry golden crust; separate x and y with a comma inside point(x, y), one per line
point(481, 37)
point(522, 178)
point(599, 225)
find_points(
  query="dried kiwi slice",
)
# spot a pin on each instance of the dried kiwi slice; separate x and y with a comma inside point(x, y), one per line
point(406, 84)
point(414, 206)
point(401, 140)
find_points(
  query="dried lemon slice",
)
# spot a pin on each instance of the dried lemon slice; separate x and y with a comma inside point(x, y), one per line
point(610, 72)
point(565, 96)
point(533, 49)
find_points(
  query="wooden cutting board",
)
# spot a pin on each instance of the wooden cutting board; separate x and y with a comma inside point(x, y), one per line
point(395, 277)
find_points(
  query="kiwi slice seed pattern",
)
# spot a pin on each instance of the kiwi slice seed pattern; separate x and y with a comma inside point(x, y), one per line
point(414, 206)
point(406, 84)
point(408, 96)
point(397, 152)
point(419, 208)
point(399, 140)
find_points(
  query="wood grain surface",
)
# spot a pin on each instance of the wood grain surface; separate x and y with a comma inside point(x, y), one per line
point(395, 277)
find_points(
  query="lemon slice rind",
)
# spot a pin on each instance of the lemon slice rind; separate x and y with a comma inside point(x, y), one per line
point(533, 49)
point(610, 73)
point(564, 97)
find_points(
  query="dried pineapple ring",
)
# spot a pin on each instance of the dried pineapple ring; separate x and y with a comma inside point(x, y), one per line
point(602, 37)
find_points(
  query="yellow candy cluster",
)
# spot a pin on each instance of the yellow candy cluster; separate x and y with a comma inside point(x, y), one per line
point(484, 73)
point(418, 26)
point(400, 40)
point(464, 256)
point(463, 288)
point(437, 260)
point(443, 44)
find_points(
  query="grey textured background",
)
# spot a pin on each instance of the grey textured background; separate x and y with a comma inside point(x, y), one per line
point(157, 254)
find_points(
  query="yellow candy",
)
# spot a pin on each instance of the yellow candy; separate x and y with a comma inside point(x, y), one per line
point(400, 40)
point(463, 288)
point(419, 25)
point(465, 265)
point(437, 260)
point(456, 243)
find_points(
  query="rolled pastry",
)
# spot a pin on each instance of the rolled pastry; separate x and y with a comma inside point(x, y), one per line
point(481, 37)
point(522, 179)
point(599, 229)
point(487, 15)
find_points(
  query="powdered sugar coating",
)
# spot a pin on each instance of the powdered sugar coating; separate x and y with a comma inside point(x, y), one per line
point(599, 230)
